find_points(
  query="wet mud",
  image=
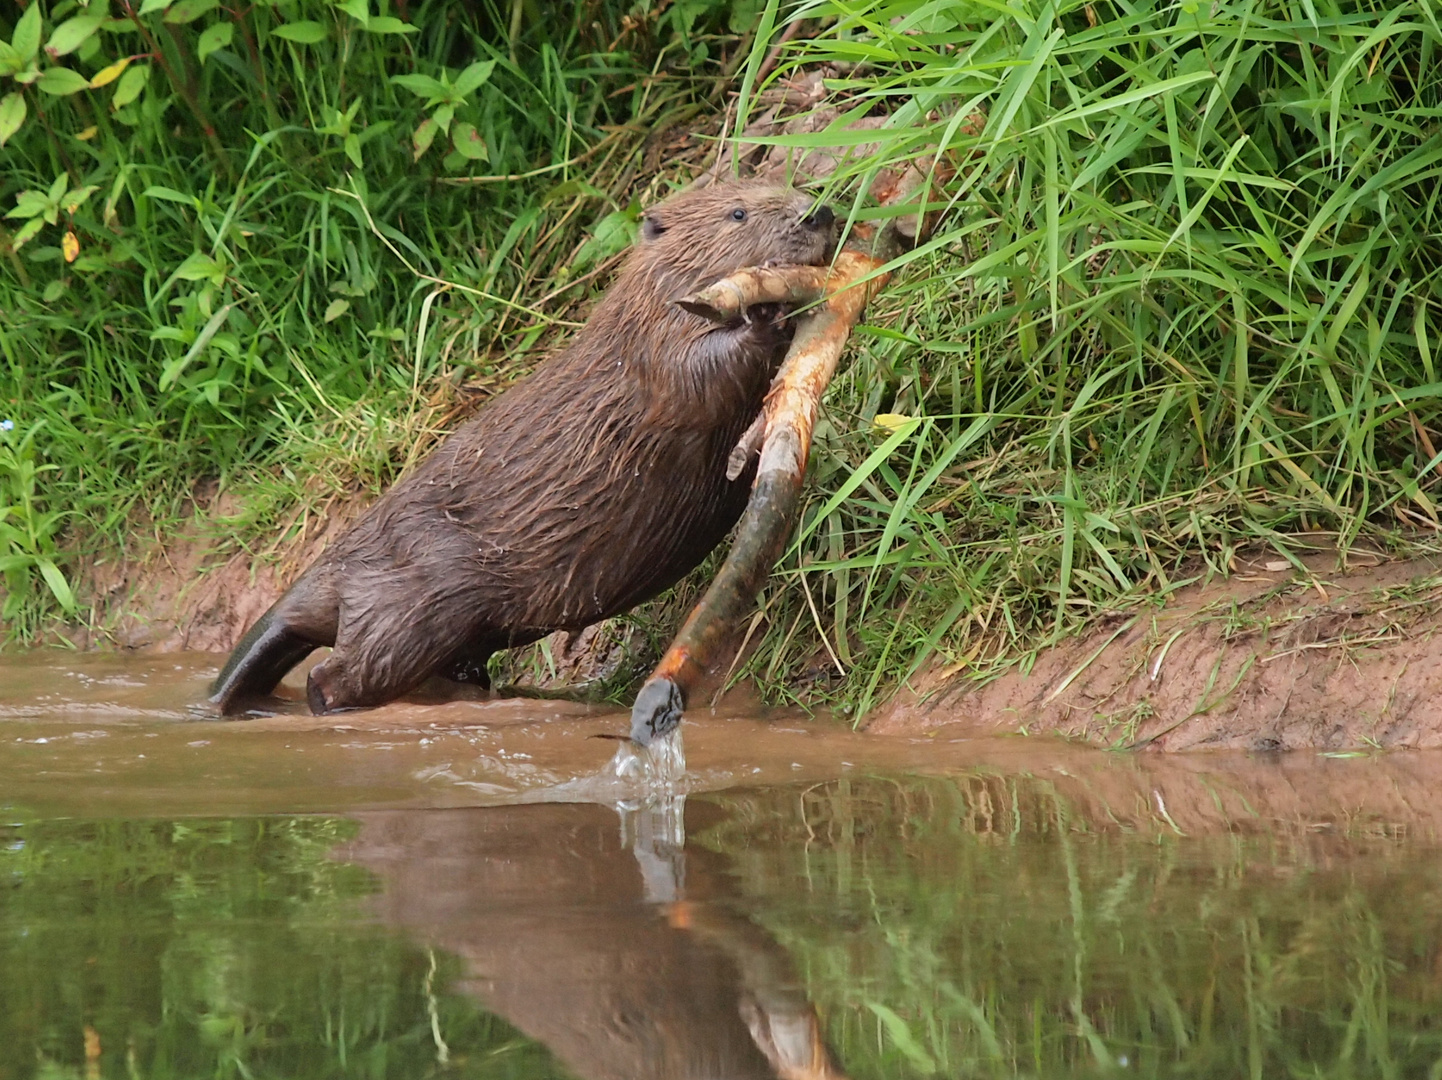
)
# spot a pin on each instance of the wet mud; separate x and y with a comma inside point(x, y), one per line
point(1272, 658)
point(1323, 653)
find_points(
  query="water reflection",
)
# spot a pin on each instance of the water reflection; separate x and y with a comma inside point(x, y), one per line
point(1162, 920)
point(988, 925)
point(624, 963)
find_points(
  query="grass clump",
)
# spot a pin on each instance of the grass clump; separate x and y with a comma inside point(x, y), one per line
point(1184, 299)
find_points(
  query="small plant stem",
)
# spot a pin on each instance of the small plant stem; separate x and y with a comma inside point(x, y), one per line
point(243, 25)
point(182, 86)
point(514, 33)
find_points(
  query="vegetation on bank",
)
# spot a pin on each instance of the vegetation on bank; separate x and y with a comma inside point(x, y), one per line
point(291, 246)
point(1183, 298)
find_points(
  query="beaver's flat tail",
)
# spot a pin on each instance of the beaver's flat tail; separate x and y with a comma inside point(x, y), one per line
point(269, 649)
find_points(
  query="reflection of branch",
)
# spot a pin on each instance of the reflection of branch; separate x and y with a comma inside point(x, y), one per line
point(443, 1051)
point(774, 1008)
point(773, 1005)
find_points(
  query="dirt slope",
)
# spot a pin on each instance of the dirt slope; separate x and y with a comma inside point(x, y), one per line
point(1270, 659)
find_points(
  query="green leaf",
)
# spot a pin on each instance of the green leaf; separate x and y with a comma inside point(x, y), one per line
point(335, 309)
point(186, 11)
point(57, 188)
point(744, 15)
point(73, 33)
point(200, 267)
point(420, 142)
point(468, 142)
point(352, 151)
point(62, 81)
point(175, 367)
point(130, 85)
point(12, 115)
point(901, 1037)
point(29, 203)
point(58, 585)
point(26, 41)
point(10, 61)
point(423, 85)
point(474, 76)
point(25, 232)
point(215, 37)
point(153, 5)
point(613, 233)
point(304, 32)
point(385, 24)
point(155, 191)
point(359, 10)
point(76, 197)
point(442, 117)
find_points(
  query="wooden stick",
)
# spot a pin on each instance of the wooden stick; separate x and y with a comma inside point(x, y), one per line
point(790, 419)
point(730, 297)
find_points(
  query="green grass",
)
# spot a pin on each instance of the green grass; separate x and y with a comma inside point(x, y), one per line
point(287, 303)
point(1185, 299)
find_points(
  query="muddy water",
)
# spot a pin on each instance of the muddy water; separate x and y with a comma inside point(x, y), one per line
point(460, 890)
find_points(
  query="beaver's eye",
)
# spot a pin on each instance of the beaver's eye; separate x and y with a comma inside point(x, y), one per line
point(739, 214)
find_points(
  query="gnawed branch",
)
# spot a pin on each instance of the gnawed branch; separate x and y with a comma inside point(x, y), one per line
point(784, 434)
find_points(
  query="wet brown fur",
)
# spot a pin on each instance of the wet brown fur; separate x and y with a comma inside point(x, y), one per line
point(575, 495)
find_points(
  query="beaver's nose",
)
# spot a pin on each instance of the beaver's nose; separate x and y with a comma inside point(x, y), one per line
point(820, 218)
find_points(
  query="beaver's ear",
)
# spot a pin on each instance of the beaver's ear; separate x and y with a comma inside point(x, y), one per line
point(652, 224)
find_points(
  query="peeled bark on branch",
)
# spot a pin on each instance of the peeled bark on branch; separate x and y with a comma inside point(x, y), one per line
point(729, 297)
point(789, 419)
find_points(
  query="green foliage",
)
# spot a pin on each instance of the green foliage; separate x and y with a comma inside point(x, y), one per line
point(1184, 299)
point(28, 533)
point(240, 243)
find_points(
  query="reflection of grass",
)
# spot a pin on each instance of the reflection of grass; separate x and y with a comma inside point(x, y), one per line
point(979, 928)
point(221, 948)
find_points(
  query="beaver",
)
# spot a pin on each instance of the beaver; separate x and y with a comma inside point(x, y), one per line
point(578, 493)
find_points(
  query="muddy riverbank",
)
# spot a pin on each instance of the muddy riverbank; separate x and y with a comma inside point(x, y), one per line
point(1315, 654)
point(90, 733)
point(1276, 657)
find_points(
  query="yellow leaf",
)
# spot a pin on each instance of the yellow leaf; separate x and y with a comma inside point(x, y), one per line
point(892, 421)
point(70, 245)
point(109, 74)
point(88, 133)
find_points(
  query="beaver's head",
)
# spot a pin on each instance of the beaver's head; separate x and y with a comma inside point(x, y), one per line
point(696, 238)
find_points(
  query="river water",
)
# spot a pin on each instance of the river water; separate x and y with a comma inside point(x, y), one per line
point(465, 890)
